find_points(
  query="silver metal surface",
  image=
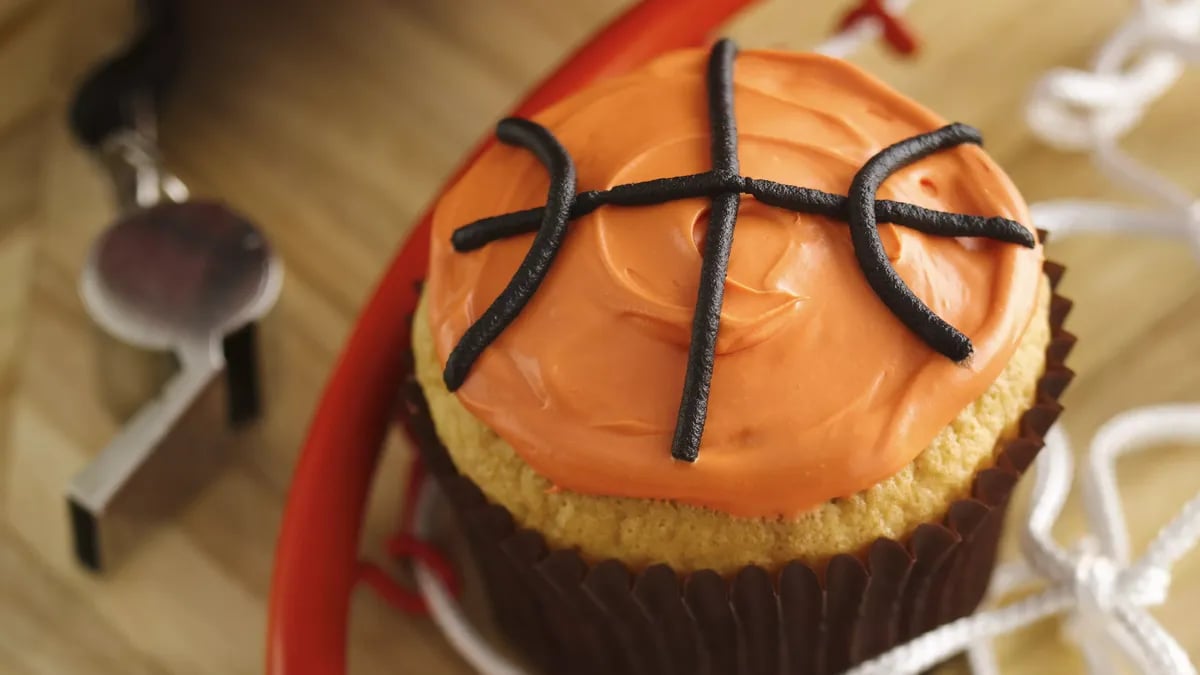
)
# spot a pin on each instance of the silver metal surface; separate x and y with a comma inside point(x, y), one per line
point(131, 375)
point(171, 448)
point(177, 277)
point(135, 165)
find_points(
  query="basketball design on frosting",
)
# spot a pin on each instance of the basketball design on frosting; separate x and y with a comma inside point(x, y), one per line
point(600, 355)
point(738, 311)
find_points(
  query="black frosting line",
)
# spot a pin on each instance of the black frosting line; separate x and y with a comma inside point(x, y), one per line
point(919, 218)
point(722, 124)
point(546, 243)
point(723, 185)
point(658, 191)
point(484, 231)
point(718, 242)
point(868, 248)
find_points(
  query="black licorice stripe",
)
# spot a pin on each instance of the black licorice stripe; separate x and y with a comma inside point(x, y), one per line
point(798, 199)
point(723, 184)
point(706, 322)
point(864, 233)
point(541, 253)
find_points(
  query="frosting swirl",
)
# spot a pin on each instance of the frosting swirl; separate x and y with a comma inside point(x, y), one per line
point(817, 390)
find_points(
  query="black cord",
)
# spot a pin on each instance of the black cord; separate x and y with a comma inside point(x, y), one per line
point(103, 102)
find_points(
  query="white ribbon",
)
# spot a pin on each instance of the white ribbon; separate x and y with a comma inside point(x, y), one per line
point(1103, 594)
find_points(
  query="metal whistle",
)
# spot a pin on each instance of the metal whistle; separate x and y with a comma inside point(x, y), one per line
point(186, 279)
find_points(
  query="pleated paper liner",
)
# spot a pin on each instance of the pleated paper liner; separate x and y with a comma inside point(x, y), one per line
point(569, 616)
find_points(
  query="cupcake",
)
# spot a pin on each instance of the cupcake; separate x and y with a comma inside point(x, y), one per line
point(729, 365)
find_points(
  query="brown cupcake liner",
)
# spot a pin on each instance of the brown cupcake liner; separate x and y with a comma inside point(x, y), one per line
point(568, 616)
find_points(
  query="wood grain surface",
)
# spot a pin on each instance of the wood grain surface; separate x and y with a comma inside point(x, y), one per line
point(331, 125)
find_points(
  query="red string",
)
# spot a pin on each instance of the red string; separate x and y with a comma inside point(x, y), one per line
point(895, 31)
point(406, 547)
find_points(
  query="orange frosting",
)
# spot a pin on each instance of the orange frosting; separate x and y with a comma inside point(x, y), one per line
point(818, 390)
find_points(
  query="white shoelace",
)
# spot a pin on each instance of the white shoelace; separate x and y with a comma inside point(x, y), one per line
point(1092, 109)
point(1102, 593)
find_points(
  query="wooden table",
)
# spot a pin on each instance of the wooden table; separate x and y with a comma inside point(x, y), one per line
point(332, 128)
